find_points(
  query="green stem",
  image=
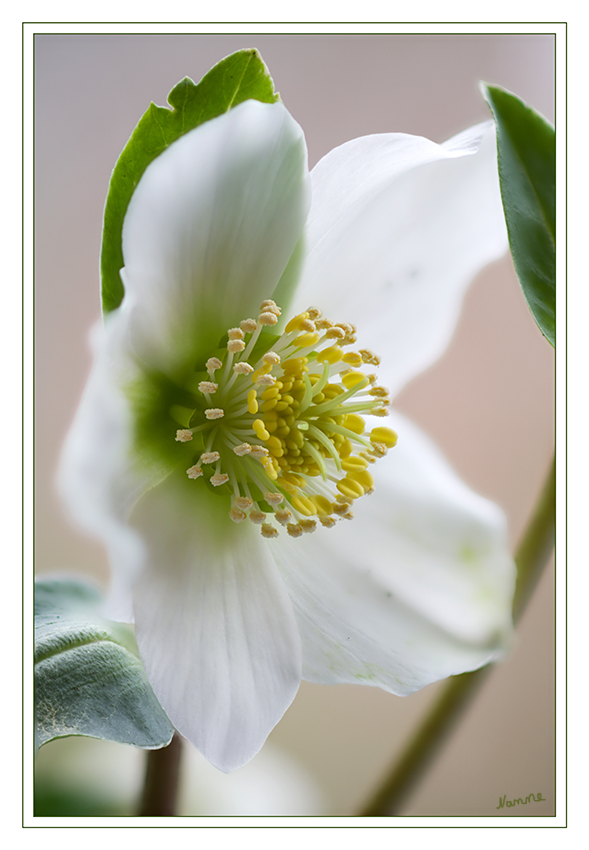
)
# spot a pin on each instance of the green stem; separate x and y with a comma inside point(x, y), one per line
point(161, 781)
point(531, 557)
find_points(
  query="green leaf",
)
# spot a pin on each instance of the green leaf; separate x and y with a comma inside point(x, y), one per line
point(88, 677)
point(526, 147)
point(241, 76)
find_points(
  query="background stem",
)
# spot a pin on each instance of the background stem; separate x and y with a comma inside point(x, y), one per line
point(160, 785)
point(532, 554)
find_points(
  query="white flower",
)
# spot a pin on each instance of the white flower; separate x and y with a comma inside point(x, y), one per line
point(175, 455)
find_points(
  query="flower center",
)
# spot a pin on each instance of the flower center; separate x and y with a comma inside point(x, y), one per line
point(280, 422)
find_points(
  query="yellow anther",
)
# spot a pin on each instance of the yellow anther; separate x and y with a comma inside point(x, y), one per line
point(293, 365)
point(292, 478)
point(379, 411)
point(295, 439)
point(269, 467)
point(350, 488)
point(269, 404)
point(362, 477)
point(271, 357)
point(266, 381)
point(346, 448)
point(271, 392)
point(314, 313)
point(269, 531)
point(274, 443)
point(260, 429)
point(252, 403)
point(303, 505)
point(295, 323)
point(333, 354)
point(323, 507)
point(354, 423)
point(294, 529)
point(353, 358)
point(352, 379)
point(183, 435)
point(235, 333)
point(308, 525)
point(383, 435)
point(243, 502)
point(354, 462)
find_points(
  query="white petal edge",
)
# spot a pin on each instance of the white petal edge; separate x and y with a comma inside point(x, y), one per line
point(416, 588)
point(97, 479)
point(210, 229)
point(398, 228)
point(214, 624)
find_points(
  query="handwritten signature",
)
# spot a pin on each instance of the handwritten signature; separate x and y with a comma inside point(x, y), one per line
point(531, 798)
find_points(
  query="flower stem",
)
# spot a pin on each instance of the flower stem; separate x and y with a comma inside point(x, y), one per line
point(532, 554)
point(160, 785)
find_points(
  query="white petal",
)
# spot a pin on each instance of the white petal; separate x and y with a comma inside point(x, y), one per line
point(214, 624)
point(398, 228)
point(210, 229)
point(97, 478)
point(417, 587)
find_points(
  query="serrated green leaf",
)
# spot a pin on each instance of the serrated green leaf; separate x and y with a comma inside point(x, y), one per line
point(88, 677)
point(526, 148)
point(239, 77)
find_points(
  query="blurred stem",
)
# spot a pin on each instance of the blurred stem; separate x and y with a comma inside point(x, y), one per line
point(531, 557)
point(160, 786)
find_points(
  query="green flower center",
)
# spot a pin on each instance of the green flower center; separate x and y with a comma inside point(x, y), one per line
point(281, 422)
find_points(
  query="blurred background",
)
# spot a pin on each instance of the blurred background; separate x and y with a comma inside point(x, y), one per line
point(488, 402)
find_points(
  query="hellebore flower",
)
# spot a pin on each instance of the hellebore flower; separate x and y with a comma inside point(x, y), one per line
point(216, 432)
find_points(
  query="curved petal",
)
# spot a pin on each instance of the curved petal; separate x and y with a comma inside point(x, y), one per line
point(97, 477)
point(398, 228)
point(214, 624)
point(210, 229)
point(416, 588)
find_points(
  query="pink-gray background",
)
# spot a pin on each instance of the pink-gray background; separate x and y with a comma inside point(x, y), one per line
point(488, 402)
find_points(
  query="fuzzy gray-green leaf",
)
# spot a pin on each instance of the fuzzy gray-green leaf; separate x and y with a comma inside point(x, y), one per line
point(88, 677)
